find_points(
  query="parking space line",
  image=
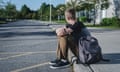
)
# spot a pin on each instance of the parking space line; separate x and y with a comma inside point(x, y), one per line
point(22, 54)
point(27, 52)
point(30, 67)
point(15, 56)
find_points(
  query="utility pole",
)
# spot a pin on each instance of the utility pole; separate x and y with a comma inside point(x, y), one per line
point(50, 12)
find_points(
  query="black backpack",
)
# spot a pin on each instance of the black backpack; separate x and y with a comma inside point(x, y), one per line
point(89, 50)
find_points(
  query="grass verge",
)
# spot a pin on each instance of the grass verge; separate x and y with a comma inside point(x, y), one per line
point(60, 22)
point(2, 22)
point(99, 26)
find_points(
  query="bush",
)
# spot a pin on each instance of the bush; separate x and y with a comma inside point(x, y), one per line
point(114, 21)
point(83, 19)
point(106, 22)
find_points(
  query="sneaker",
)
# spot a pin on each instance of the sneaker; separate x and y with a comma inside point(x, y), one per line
point(54, 62)
point(60, 64)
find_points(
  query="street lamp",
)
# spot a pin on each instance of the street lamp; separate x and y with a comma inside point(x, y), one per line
point(50, 12)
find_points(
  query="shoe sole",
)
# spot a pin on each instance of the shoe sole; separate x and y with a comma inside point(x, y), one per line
point(51, 63)
point(59, 67)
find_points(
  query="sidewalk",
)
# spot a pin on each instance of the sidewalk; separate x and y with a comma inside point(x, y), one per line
point(110, 42)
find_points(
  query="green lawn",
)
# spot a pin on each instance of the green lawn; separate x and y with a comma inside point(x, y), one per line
point(60, 21)
point(2, 22)
point(99, 26)
point(90, 25)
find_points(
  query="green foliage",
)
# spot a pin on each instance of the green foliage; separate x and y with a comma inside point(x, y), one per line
point(105, 4)
point(43, 13)
point(60, 9)
point(2, 13)
point(34, 16)
point(25, 12)
point(106, 22)
point(2, 22)
point(83, 19)
point(114, 21)
point(11, 11)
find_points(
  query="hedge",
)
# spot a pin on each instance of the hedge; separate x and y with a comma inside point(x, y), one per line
point(114, 21)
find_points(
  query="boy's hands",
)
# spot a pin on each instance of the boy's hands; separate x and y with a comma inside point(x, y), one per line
point(63, 31)
point(60, 32)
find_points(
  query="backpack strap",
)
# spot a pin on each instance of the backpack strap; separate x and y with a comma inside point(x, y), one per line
point(73, 59)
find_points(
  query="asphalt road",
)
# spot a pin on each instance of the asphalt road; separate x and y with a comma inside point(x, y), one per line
point(27, 46)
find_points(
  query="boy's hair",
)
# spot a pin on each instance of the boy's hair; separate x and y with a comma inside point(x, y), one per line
point(71, 13)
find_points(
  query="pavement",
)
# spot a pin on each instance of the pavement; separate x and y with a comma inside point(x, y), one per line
point(28, 46)
point(110, 44)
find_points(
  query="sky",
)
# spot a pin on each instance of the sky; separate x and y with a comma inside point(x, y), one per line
point(34, 4)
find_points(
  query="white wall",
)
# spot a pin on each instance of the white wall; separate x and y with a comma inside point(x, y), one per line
point(108, 13)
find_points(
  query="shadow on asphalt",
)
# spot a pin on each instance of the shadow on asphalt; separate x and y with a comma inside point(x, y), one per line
point(100, 30)
point(113, 57)
point(23, 27)
point(19, 25)
point(16, 39)
point(12, 34)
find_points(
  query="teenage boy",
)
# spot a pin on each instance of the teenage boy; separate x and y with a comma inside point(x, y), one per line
point(68, 37)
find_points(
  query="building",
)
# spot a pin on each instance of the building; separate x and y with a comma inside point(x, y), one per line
point(112, 11)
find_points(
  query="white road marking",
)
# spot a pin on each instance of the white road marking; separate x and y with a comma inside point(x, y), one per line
point(27, 52)
point(22, 54)
point(15, 56)
point(30, 67)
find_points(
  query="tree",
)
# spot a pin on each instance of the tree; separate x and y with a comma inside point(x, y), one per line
point(60, 10)
point(11, 11)
point(44, 11)
point(2, 13)
point(99, 6)
point(41, 11)
point(25, 12)
point(34, 16)
point(1, 3)
point(78, 5)
point(72, 3)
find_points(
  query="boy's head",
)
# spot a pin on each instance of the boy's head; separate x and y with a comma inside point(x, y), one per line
point(70, 14)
